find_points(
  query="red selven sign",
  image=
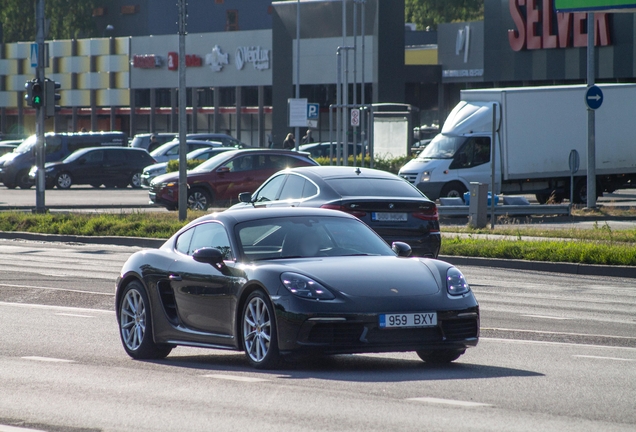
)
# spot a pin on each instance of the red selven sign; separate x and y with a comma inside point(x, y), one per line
point(190, 60)
point(539, 26)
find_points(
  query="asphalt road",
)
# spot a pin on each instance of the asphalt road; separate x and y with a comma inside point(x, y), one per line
point(557, 353)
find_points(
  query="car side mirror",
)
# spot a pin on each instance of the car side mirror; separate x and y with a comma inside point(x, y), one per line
point(212, 256)
point(245, 197)
point(401, 249)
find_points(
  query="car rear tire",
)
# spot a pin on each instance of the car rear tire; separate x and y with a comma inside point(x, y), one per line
point(63, 180)
point(199, 199)
point(23, 179)
point(440, 356)
point(135, 180)
point(260, 340)
point(453, 190)
point(135, 324)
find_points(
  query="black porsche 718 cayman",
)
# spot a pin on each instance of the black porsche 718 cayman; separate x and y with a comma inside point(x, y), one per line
point(279, 281)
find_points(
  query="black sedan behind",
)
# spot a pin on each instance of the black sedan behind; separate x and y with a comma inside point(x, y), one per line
point(393, 207)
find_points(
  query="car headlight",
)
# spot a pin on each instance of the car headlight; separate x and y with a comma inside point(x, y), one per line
point(426, 176)
point(305, 287)
point(455, 282)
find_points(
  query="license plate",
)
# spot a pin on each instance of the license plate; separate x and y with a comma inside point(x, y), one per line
point(389, 217)
point(404, 320)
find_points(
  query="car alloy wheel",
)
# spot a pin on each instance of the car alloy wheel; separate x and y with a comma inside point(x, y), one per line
point(135, 325)
point(198, 199)
point(259, 331)
point(63, 181)
point(135, 180)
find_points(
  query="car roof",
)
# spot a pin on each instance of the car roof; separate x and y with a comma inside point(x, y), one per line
point(174, 142)
point(331, 171)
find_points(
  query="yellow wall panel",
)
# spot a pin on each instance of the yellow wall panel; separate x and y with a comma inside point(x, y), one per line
point(425, 56)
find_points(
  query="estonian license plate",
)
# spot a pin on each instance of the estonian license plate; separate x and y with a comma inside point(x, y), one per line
point(389, 217)
point(404, 320)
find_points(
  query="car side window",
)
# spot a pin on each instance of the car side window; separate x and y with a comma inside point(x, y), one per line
point(474, 152)
point(53, 144)
point(211, 235)
point(269, 191)
point(173, 151)
point(95, 157)
point(297, 187)
point(184, 240)
point(242, 163)
point(115, 156)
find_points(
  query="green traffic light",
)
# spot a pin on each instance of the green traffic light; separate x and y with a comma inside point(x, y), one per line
point(37, 100)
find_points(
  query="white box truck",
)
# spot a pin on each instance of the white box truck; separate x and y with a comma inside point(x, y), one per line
point(536, 129)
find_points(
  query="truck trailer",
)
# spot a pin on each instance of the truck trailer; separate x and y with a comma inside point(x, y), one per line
point(536, 129)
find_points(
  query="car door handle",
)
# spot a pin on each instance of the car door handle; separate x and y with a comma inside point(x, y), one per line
point(175, 277)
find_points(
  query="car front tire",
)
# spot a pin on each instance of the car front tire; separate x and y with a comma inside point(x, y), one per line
point(260, 340)
point(199, 199)
point(135, 180)
point(440, 356)
point(135, 324)
point(63, 180)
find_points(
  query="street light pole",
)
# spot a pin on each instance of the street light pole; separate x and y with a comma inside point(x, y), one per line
point(296, 131)
point(40, 112)
point(183, 124)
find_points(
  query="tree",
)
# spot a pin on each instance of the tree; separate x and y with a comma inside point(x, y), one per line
point(68, 19)
point(425, 13)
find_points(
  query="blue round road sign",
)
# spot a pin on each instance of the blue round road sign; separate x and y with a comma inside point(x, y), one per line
point(593, 97)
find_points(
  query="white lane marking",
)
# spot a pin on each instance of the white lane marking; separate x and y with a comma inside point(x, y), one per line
point(5, 428)
point(56, 289)
point(449, 402)
point(58, 308)
point(48, 359)
point(74, 315)
point(604, 358)
point(558, 333)
point(569, 344)
point(545, 317)
point(235, 378)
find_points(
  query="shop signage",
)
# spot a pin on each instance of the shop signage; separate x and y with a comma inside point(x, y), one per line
point(216, 59)
point(258, 56)
point(538, 26)
point(147, 61)
point(191, 60)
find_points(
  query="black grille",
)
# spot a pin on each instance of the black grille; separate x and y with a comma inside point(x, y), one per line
point(403, 336)
point(460, 329)
point(335, 333)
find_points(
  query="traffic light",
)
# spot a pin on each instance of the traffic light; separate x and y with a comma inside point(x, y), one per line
point(35, 93)
point(51, 97)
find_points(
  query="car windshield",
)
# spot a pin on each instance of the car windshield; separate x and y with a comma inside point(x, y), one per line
point(378, 187)
point(308, 236)
point(26, 145)
point(159, 151)
point(76, 155)
point(442, 147)
point(213, 162)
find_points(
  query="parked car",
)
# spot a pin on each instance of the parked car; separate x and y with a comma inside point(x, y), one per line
point(7, 146)
point(220, 179)
point(201, 154)
point(325, 149)
point(392, 206)
point(225, 139)
point(143, 140)
point(279, 281)
point(170, 150)
point(15, 166)
point(110, 166)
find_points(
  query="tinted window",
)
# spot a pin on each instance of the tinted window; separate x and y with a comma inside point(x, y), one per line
point(241, 163)
point(210, 235)
point(360, 186)
point(297, 187)
point(53, 144)
point(95, 157)
point(116, 155)
point(270, 189)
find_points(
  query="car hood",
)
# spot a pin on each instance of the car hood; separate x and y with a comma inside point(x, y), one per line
point(158, 166)
point(364, 276)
